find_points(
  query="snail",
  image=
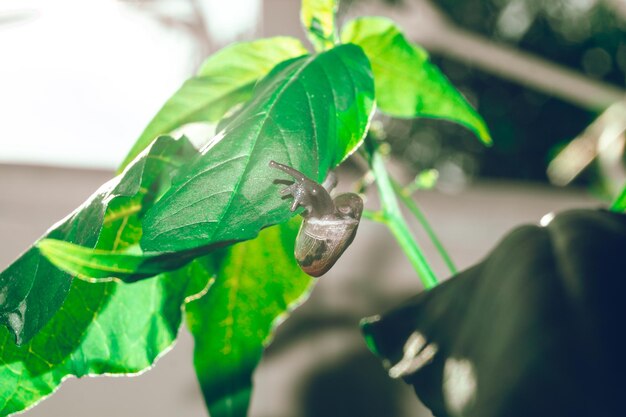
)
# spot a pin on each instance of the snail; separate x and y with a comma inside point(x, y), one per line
point(329, 224)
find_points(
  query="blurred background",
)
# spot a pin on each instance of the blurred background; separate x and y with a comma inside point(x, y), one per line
point(80, 80)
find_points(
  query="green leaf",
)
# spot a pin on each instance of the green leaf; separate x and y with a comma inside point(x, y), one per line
point(224, 80)
point(318, 18)
point(97, 265)
point(309, 113)
point(407, 83)
point(32, 289)
point(257, 283)
point(108, 327)
point(104, 328)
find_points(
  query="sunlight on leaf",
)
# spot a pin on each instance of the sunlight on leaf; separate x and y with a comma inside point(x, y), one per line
point(257, 283)
point(318, 18)
point(109, 327)
point(309, 113)
point(96, 265)
point(224, 80)
point(407, 83)
point(102, 328)
point(32, 289)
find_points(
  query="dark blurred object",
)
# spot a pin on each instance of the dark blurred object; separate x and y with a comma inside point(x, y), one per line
point(533, 330)
point(352, 387)
point(586, 36)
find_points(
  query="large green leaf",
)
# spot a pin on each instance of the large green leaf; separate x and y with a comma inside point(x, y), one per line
point(318, 18)
point(407, 83)
point(257, 283)
point(309, 113)
point(105, 328)
point(108, 327)
point(224, 80)
point(32, 289)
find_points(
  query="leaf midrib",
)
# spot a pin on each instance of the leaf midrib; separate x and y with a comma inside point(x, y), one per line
point(267, 116)
point(81, 262)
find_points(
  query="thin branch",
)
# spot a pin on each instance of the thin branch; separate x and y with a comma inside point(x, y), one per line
point(419, 215)
point(397, 225)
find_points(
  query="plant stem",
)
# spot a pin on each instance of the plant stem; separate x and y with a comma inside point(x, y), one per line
point(396, 223)
point(406, 199)
point(376, 216)
point(619, 205)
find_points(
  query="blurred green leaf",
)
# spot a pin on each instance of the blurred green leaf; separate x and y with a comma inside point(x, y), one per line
point(318, 18)
point(619, 204)
point(32, 289)
point(257, 283)
point(532, 330)
point(407, 83)
point(425, 180)
point(224, 80)
point(309, 113)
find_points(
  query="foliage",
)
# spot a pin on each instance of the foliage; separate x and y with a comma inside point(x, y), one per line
point(34, 290)
point(233, 322)
point(530, 330)
point(163, 234)
point(531, 126)
point(224, 80)
point(106, 327)
point(402, 91)
point(310, 112)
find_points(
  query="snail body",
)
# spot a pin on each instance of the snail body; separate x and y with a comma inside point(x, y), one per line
point(329, 224)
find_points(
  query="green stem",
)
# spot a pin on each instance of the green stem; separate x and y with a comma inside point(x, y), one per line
point(406, 199)
point(619, 205)
point(376, 216)
point(397, 224)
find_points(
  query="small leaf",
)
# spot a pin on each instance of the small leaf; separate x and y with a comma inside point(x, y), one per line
point(318, 18)
point(32, 289)
point(425, 180)
point(407, 83)
point(226, 79)
point(533, 330)
point(309, 113)
point(257, 283)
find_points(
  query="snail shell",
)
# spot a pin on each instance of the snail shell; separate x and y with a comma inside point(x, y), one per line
point(321, 242)
point(329, 225)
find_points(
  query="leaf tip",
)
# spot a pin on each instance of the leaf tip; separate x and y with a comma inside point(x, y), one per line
point(46, 246)
point(485, 138)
